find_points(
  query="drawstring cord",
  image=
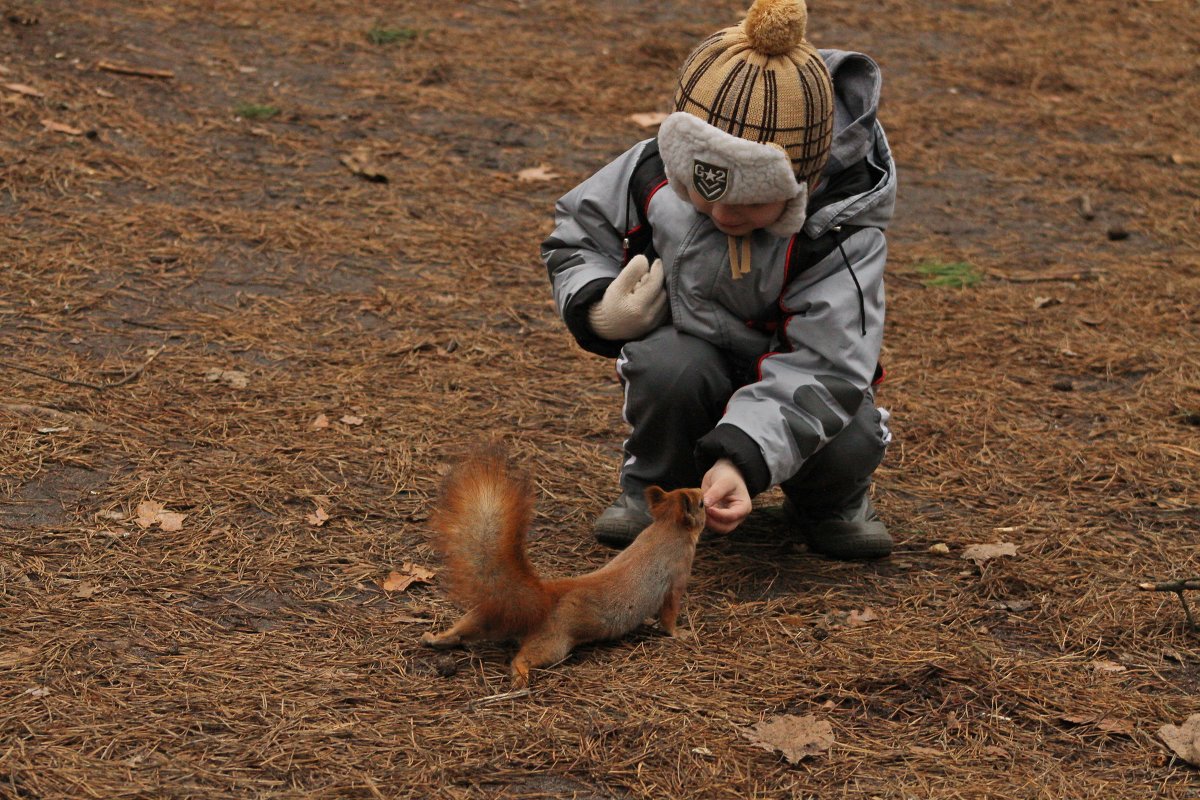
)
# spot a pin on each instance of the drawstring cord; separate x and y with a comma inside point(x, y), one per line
point(862, 304)
point(739, 256)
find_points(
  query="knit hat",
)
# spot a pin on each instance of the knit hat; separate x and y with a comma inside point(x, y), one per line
point(753, 116)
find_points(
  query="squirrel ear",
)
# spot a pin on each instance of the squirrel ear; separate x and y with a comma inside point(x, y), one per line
point(655, 497)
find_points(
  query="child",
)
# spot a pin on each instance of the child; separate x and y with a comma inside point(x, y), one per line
point(745, 303)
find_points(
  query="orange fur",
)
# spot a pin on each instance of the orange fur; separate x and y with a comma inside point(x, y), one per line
point(482, 519)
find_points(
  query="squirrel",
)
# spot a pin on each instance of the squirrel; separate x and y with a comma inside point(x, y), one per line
point(481, 522)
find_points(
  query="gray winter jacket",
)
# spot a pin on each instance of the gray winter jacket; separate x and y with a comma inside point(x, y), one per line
point(808, 319)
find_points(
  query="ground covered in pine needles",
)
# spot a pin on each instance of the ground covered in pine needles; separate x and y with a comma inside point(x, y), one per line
point(268, 269)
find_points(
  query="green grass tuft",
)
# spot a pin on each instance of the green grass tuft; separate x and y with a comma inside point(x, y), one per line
point(255, 111)
point(958, 274)
point(382, 35)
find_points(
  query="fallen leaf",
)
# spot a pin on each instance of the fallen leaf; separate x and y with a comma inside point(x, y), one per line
point(362, 163)
point(837, 620)
point(538, 173)
point(1184, 740)
point(422, 574)
point(1013, 605)
point(147, 513)
point(320, 423)
point(927, 751)
point(230, 377)
point(410, 573)
point(1044, 302)
point(351, 419)
point(21, 88)
point(37, 691)
point(1107, 666)
point(856, 618)
point(151, 513)
point(171, 520)
point(981, 553)
point(318, 517)
point(796, 738)
point(59, 127)
point(84, 590)
point(105, 93)
point(648, 119)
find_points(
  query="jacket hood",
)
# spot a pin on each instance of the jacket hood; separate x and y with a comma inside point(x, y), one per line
point(858, 138)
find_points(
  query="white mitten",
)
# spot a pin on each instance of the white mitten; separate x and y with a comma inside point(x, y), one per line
point(634, 304)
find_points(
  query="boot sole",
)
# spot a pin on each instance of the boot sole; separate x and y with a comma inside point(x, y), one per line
point(850, 541)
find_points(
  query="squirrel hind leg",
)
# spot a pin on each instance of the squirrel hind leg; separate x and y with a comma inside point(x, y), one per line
point(538, 651)
point(470, 628)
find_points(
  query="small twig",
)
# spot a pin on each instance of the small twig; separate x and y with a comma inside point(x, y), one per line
point(1178, 587)
point(99, 387)
point(1052, 277)
point(129, 69)
point(496, 698)
point(1182, 585)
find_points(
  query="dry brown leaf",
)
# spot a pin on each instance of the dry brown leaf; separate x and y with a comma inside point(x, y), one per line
point(320, 423)
point(171, 520)
point(150, 513)
point(419, 573)
point(838, 620)
point(410, 573)
point(980, 553)
point(318, 517)
point(363, 164)
point(21, 88)
point(1107, 666)
point(1184, 740)
point(84, 590)
point(538, 173)
point(351, 419)
point(796, 738)
point(927, 751)
point(648, 119)
point(233, 378)
point(856, 618)
point(58, 127)
point(147, 513)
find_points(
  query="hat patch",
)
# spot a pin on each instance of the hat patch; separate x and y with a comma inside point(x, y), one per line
point(711, 181)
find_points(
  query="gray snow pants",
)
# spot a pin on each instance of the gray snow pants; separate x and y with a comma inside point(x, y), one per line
point(676, 389)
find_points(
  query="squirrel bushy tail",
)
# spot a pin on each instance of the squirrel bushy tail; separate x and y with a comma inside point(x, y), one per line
point(484, 512)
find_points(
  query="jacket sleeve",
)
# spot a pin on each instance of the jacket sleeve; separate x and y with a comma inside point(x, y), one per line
point(585, 252)
point(808, 390)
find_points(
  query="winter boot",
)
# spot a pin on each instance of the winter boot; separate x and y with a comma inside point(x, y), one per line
point(854, 533)
point(619, 524)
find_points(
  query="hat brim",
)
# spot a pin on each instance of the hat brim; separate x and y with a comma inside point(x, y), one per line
point(754, 172)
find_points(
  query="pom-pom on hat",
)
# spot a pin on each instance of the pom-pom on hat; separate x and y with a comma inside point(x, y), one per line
point(764, 103)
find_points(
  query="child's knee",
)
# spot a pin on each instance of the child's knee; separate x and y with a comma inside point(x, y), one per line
point(675, 365)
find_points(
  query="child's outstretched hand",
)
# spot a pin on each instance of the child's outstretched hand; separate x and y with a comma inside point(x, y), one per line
point(634, 304)
point(726, 498)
